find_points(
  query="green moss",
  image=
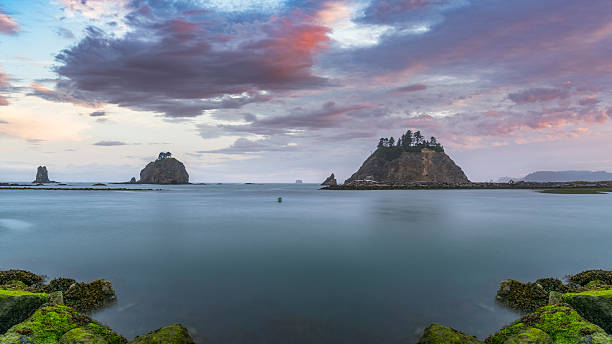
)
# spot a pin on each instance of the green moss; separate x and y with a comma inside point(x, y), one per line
point(92, 333)
point(45, 326)
point(601, 293)
point(438, 334)
point(17, 292)
point(172, 334)
point(563, 324)
point(530, 335)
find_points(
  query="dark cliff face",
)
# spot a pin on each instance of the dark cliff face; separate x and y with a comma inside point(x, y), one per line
point(391, 167)
point(42, 176)
point(165, 171)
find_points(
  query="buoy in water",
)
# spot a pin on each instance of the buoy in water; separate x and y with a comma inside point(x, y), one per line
point(280, 200)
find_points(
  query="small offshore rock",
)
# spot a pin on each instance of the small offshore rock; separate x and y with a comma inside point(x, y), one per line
point(86, 297)
point(133, 180)
point(526, 297)
point(42, 176)
point(330, 181)
point(17, 305)
point(171, 334)
point(438, 334)
point(164, 170)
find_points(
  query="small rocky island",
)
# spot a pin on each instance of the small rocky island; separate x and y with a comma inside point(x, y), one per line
point(330, 181)
point(164, 170)
point(42, 175)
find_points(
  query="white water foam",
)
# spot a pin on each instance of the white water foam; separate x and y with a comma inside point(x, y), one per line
point(15, 225)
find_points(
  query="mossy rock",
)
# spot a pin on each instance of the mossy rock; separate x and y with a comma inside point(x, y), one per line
point(530, 335)
point(525, 297)
point(17, 305)
point(171, 334)
point(553, 284)
point(26, 277)
point(438, 334)
point(87, 297)
point(91, 333)
point(595, 306)
point(49, 324)
point(583, 278)
point(59, 284)
point(561, 323)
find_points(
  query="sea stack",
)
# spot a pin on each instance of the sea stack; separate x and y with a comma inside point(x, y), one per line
point(411, 160)
point(330, 181)
point(42, 176)
point(164, 170)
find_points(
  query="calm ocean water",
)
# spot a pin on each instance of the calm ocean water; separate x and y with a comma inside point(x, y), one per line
point(235, 266)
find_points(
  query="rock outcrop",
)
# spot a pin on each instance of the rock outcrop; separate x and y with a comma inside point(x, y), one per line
point(174, 334)
point(164, 170)
point(42, 176)
point(438, 334)
point(17, 305)
point(395, 166)
point(331, 180)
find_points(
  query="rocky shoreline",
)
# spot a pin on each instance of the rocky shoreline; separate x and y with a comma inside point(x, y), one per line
point(372, 185)
point(32, 312)
point(579, 312)
point(553, 312)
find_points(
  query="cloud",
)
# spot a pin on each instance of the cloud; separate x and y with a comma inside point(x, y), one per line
point(539, 95)
point(243, 145)
point(411, 88)
point(328, 116)
point(181, 68)
point(4, 86)
point(64, 33)
point(63, 93)
point(8, 25)
point(109, 143)
point(97, 114)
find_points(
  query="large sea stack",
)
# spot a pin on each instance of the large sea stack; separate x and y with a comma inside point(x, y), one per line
point(164, 170)
point(411, 159)
point(42, 176)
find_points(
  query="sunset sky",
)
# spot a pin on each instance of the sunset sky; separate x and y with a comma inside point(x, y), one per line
point(279, 90)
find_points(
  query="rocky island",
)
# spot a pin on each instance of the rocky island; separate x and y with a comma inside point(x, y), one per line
point(42, 176)
point(330, 181)
point(413, 162)
point(164, 170)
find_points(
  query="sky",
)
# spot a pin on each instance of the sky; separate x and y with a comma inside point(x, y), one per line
point(279, 90)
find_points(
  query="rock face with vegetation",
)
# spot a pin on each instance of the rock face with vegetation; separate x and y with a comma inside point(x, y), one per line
point(438, 334)
point(331, 180)
point(172, 334)
point(593, 305)
point(410, 159)
point(32, 312)
point(42, 176)
point(164, 170)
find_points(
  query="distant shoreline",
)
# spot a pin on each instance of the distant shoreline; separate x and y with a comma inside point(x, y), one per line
point(75, 189)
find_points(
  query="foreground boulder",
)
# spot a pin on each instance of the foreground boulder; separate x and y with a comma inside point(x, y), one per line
point(438, 334)
point(164, 170)
point(50, 324)
point(17, 305)
point(172, 334)
point(525, 297)
point(86, 297)
point(559, 324)
point(595, 306)
point(330, 181)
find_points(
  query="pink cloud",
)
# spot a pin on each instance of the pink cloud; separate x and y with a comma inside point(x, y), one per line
point(536, 95)
point(8, 25)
